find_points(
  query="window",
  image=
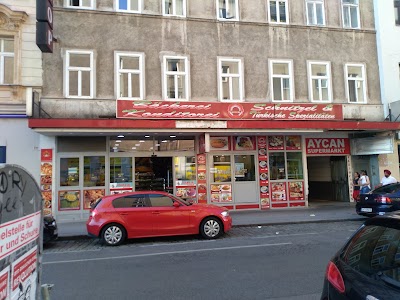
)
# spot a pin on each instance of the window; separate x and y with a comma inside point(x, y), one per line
point(174, 8)
point(278, 11)
point(228, 10)
point(79, 77)
point(351, 14)
point(161, 201)
point(129, 5)
point(315, 12)
point(281, 80)
point(230, 79)
point(397, 11)
point(6, 60)
point(319, 81)
point(69, 171)
point(85, 4)
point(131, 201)
point(94, 171)
point(176, 78)
point(129, 75)
point(355, 83)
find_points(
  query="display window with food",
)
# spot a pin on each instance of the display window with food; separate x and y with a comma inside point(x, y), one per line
point(91, 196)
point(69, 200)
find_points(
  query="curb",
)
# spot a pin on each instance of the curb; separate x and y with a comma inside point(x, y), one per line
point(86, 237)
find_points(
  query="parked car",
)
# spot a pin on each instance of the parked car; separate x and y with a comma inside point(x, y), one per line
point(50, 231)
point(115, 218)
point(379, 201)
point(368, 265)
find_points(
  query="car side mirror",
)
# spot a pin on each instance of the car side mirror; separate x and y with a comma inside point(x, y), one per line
point(176, 204)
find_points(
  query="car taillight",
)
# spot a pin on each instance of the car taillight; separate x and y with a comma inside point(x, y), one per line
point(383, 199)
point(334, 277)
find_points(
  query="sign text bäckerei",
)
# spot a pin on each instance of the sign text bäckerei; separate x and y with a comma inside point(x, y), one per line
point(227, 111)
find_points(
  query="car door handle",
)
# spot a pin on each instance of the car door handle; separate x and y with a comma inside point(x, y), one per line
point(123, 214)
point(155, 212)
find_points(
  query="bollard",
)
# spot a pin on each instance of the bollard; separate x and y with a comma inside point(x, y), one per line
point(46, 288)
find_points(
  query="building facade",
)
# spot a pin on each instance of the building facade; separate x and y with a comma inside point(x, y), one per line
point(247, 104)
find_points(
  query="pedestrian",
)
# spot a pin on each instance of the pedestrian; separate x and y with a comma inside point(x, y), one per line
point(356, 185)
point(365, 184)
point(387, 178)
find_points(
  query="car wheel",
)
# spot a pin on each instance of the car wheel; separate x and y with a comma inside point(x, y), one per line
point(113, 235)
point(211, 228)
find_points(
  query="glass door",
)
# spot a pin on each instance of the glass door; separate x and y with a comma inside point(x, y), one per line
point(245, 185)
point(221, 179)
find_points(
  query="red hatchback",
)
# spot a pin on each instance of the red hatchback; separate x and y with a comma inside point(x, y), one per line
point(117, 217)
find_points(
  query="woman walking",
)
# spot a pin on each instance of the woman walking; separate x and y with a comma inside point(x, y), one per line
point(356, 186)
point(364, 182)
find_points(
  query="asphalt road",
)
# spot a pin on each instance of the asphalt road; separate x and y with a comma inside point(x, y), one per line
point(271, 262)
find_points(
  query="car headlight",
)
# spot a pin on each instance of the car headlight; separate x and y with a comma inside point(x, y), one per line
point(225, 213)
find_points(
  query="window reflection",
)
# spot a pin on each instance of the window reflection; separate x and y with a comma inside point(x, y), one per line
point(244, 168)
point(94, 171)
point(69, 171)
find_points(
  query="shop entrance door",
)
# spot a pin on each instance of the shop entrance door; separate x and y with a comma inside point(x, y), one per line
point(245, 185)
point(339, 179)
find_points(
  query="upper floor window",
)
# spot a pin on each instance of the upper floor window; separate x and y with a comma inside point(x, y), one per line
point(79, 74)
point(351, 14)
point(281, 80)
point(174, 8)
point(230, 79)
point(355, 83)
point(278, 11)
point(176, 78)
point(86, 4)
point(397, 11)
point(228, 10)
point(129, 5)
point(129, 76)
point(6, 60)
point(315, 12)
point(319, 81)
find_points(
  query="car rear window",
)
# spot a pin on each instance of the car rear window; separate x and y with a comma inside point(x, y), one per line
point(375, 249)
point(387, 189)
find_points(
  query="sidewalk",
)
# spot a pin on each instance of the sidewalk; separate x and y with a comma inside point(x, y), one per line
point(321, 211)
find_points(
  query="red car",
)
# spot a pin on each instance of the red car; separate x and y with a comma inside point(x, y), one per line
point(117, 217)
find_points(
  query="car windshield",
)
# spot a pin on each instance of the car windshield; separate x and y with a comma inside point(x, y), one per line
point(387, 189)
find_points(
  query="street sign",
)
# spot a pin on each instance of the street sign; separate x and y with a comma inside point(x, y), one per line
point(20, 234)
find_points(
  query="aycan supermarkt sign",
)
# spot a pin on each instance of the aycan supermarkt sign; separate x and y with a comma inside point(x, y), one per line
point(227, 111)
point(327, 146)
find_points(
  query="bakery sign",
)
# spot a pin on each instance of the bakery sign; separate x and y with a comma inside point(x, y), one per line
point(327, 146)
point(129, 109)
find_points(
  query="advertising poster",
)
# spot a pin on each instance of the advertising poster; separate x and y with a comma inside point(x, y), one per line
point(186, 189)
point(219, 143)
point(201, 178)
point(91, 196)
point(121, 187)
point(278, 191)
point(5, 284)
point(69, 200)
point(276, 142)
point(221, 193)
point(24, 276)
point(46, 175)
point(244, 143)
point(293, 142)
point(263, 171)
point(296, 190)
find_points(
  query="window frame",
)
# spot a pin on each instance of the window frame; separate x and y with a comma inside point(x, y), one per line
point(315, 3)
point(278, 11)
point(184, 4)
point(227, 19)
point(3, 55)
point(175, 73)
point(67, 5)
point(328, 77)
point(290, 76)
point(67, 69)
point(348, 7)
point(140, 72)
point(239, 75)
point(364, 81)
point(128, 10)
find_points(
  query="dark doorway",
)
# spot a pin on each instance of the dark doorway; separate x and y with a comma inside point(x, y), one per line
point(153, 174)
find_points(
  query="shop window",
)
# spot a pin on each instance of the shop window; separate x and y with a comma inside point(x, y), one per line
point(120, 170)
point(351, 14)
point(230, 81)
point(94, 171)
point(245, 168)
point(221, 170)
point(315, 12)
point(147, 144)
point(277, 165)
point(228, 10)
point(79, 74)
point(355, 83)
point(69, 171)
point(174, 8)
point(6, 60)
point(281, 80)
point(129, 75)
point(176, 78)
point(319, 80)
point(278, 11)
point(294, 165)
point(86, 4)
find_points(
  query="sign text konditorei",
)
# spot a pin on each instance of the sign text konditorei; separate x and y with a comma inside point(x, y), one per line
point(227, 111)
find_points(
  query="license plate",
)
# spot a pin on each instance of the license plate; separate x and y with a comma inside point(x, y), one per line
point(56, 231)
point(366, 209)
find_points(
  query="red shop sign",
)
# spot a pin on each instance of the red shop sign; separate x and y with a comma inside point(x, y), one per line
point(227, 111)
point(328, 146)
